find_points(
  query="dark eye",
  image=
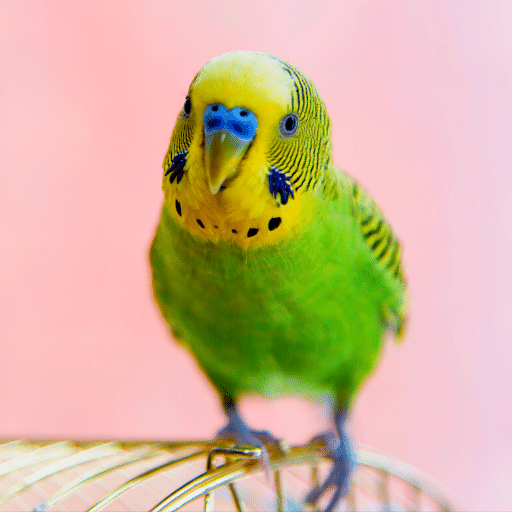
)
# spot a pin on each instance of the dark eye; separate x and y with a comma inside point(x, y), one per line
point(187, 107)
point(288, 125)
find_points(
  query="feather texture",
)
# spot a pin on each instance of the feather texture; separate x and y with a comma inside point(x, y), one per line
point(286, 279)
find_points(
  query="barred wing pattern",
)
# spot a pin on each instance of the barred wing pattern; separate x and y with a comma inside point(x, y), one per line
point(377, 233)
point(384, 246)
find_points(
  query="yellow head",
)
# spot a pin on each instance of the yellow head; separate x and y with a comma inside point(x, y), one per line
point(251, 147)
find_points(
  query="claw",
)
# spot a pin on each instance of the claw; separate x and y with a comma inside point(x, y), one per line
point(240, 432)
point(343, 456)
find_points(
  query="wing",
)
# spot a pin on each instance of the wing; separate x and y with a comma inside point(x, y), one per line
point(385, 248)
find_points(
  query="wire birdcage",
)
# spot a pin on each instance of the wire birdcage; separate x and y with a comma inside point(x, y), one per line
point(195, 476)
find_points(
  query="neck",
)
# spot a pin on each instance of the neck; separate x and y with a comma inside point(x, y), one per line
point(243, 213)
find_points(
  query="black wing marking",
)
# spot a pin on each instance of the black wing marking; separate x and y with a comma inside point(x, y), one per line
point(385, 247)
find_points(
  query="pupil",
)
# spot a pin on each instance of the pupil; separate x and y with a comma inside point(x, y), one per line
point(187, 107)
point(290, 124)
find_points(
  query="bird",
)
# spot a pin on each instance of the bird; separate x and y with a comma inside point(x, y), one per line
point(272, 266)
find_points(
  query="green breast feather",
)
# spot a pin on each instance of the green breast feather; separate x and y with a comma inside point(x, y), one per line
point(305, 316)
point(275, 269)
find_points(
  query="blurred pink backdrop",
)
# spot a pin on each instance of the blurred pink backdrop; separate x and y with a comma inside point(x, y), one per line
point(420, 94)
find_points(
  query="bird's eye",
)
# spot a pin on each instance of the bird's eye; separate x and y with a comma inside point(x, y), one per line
point(187, 107)
point(288, 125)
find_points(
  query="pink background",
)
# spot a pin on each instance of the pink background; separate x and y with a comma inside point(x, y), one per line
point(420, 94)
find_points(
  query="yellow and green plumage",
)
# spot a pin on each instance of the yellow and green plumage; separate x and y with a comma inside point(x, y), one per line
point(275, 269)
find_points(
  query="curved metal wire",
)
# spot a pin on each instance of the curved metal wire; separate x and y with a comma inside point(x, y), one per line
point(195, 475)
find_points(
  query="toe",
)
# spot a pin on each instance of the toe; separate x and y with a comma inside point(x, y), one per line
point(241, 434)
point(340, 477)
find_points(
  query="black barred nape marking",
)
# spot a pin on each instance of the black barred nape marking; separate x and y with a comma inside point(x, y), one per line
point(178, 207)
point(304, 157)
point(274, 223)
point(177, 168)
point(252, 232)
point(278, 183)
point(200, 222)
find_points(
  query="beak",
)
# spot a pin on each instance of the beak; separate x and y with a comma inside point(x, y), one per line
point(223, 152)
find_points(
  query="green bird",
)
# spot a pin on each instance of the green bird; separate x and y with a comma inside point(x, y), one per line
point(272, 266)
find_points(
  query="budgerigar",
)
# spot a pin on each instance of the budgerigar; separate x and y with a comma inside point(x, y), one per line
point(273, 267)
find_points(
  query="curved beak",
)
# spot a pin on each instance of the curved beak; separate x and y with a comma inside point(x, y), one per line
point(224, 151)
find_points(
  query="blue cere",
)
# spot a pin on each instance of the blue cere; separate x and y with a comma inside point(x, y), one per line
point(214, 117)
point(278, 183)
point(242, 123)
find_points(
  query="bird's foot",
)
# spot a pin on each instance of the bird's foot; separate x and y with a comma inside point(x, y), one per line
point(240, 432)
point(343, 456)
